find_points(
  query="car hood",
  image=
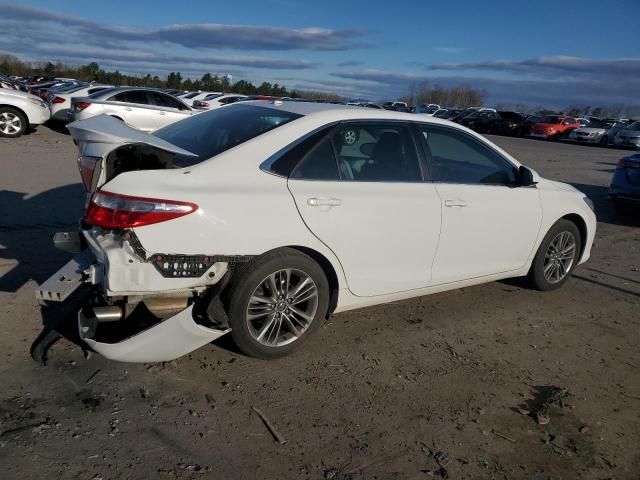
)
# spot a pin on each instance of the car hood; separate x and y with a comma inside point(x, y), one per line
point(18, 94)
point(99, 135)
point(553, 185)
point(546, 125)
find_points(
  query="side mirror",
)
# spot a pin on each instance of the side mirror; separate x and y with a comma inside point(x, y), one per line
point(525, 177)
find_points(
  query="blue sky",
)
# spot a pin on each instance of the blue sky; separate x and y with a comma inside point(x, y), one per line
point(540, 52)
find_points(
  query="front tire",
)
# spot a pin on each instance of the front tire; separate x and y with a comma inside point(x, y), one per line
point(13, 123)
point(557, 256)
point(276, 302)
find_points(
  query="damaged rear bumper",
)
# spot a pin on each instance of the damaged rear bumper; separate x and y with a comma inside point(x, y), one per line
point(171, 338)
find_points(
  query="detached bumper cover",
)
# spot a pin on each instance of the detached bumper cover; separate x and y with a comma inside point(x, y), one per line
point(168, 340)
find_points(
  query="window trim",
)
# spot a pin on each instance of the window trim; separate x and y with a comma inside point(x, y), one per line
point(461, 132)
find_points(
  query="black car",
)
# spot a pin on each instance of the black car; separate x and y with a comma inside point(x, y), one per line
point(479, 121)
point(507, 123)
point(447, 113)
point(463, 114)
point(524, 128)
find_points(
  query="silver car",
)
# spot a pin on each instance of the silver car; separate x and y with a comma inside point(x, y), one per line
point(142, 108)
point(630, 136)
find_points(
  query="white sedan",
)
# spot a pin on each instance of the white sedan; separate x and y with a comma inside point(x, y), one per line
point(216, 100)
point(263, 218)
point(18, 110)
point(60, 100)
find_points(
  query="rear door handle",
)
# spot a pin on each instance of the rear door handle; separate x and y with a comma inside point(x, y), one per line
point(455, 203)
point(128, 109)
point(323, 202)
point(162, 113)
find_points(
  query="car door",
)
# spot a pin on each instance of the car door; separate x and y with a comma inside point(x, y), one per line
point(489, 224)
point(135, 109)
point(361, 191)
point(169, 110)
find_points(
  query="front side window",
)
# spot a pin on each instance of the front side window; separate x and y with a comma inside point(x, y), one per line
point(456, 157)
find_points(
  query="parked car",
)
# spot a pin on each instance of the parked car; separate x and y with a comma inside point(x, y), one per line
point(60, 100)
point(528, 121)
point(447, 113)
point(260, 219)
point(463, 113)
point(624, 190)
point(504, 123)
point(602, 132)
point(217, 100)
point(554, 127)
point(479, 120)
point(142, 108)
point(427, 109)
point(19, 110)
point(630, 136)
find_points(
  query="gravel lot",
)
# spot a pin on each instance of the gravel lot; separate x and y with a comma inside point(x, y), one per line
point(378, 394)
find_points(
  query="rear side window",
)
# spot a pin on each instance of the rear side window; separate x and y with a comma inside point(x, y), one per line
point(455, 157)
point(319, 164)
point(376, 153)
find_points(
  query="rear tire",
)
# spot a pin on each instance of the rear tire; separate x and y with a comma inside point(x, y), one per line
point(13, 123)
point(556, 257)
point(276, 302)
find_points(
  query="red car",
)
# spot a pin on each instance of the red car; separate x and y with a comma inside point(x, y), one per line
point(554, 126)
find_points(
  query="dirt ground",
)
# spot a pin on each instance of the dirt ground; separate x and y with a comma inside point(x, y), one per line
point(419, 389)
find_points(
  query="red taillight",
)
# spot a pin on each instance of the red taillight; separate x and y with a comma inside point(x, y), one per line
point(58, 100)
point(115, 211)
point(87, 166)
point(79, 106)
point(626, 163)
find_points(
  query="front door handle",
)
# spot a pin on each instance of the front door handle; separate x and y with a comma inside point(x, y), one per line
point(162, 113)
point(455, 203)
point(323, 202)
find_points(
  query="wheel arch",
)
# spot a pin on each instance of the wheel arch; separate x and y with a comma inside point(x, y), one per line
point(329, 271)
point(18, 109)
point(579, 222)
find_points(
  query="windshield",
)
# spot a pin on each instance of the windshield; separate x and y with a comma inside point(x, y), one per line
point(634, 126)
point(212, 96)
point(211, 133)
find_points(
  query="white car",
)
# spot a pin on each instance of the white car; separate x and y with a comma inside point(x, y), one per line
point(602, 132)
point(143, 108)
point(216, 100)
point(60, 100)
point(18, 110)
point(263, 218)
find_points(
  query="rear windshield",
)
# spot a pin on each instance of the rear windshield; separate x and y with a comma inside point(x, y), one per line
point(211, 133)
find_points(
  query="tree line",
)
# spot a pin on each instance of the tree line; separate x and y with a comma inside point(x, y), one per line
point(92, 72)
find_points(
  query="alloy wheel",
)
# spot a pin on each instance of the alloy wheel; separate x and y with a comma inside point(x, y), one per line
point(282, 307)
point(10, 123)
point(559, 257)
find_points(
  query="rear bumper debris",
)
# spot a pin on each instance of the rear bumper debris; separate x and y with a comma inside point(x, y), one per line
point(66, 280)
point(171, 338)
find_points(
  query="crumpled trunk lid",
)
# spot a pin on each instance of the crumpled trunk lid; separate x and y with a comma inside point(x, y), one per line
point(101, 136)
